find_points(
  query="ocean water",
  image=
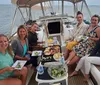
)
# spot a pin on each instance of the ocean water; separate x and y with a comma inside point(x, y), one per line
point(7, 14)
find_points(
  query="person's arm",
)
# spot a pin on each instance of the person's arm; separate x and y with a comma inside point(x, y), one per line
point(21, 58)
point(30, 52)
point(94, 39)
point(6, 69)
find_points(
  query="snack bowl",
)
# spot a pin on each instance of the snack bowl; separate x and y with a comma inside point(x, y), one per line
point(57, 71)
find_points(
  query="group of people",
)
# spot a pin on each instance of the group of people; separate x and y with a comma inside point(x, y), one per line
point(21, 44)
point(83, 47)
point(77, 50)
point(18, 50)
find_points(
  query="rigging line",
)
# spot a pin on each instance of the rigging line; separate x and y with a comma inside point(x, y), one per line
point(76, 7)
point(13, 22)
point(87, 7)
point(30, 16)
point(45, 5)
point(25, 5)
point(48, 5)
point(82, 6)
point(26, 12)
point(51, 7)
point(58, 6)
point(22, 14)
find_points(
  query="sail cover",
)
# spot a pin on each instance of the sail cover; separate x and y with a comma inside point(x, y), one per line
point(33, 2)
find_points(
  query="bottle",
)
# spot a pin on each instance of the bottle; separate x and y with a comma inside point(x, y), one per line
point(55, 40)
point(40, 69)
point(62, 60)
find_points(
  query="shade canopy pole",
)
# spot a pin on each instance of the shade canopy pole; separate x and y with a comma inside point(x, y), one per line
point(12, 24)
point(42, 9)
point(62, 7)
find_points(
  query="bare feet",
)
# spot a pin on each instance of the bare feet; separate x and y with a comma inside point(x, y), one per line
point(85, 80)
point(86, 77)
point(73, 73)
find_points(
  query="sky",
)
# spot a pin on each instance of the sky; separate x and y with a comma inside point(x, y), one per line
point(90, 2)
point(5, 1)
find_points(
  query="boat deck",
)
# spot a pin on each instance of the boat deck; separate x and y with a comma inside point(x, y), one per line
point(76, 80)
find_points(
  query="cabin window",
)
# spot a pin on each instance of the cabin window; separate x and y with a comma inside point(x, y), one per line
point(54, 27)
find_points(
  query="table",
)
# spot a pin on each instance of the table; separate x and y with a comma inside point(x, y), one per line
point(45, 79)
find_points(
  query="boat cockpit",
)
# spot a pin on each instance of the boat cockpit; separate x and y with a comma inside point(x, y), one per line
point(53, 21)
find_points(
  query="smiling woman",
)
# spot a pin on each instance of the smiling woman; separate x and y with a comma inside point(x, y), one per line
point(7, 72)
point(21, 48)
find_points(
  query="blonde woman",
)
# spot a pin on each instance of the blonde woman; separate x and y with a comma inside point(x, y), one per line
point(6, 61)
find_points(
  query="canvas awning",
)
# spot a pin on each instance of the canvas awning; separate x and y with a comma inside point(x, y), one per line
point(25, 3)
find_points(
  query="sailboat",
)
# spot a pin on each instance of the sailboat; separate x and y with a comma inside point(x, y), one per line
point(62, 21)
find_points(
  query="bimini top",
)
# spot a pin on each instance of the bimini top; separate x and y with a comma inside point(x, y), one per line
point(29, 3)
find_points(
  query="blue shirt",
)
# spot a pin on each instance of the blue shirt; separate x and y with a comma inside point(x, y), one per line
point(25, 49)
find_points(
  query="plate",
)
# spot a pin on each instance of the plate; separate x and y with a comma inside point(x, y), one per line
point(36, 53)
point(19, 64)
point(57, 56)
point(57, 73)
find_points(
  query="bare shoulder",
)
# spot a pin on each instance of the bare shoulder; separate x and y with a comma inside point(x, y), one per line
point(98, 29)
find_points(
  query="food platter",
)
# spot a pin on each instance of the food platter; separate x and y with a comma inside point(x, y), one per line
point(37, 53)
point(52, 50)
point(57, 73)
point(57, 56)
